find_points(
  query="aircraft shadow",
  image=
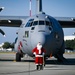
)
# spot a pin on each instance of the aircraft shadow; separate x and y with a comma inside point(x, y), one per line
point(69, 61)
point(6, 60)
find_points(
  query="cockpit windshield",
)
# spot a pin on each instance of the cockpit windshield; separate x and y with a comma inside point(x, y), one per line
point(47, 23)
point(35, 23)
point(29, 23)
point(39, 22)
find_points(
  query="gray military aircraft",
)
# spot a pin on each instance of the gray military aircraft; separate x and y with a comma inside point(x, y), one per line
point(39, 28)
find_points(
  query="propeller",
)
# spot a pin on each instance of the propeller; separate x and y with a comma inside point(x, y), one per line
point(1, 8)
point(2, 32)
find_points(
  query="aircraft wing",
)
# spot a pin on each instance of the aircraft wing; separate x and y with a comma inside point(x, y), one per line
point(12, 21)
point(66, 22)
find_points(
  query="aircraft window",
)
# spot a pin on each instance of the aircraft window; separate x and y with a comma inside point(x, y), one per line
point(31, 19)
point(35, 23)
point(26, 34)
point(41, 22)
point(48, 23)
point(29, 23)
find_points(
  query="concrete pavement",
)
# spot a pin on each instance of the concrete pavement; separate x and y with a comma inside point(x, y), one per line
point(27, 67)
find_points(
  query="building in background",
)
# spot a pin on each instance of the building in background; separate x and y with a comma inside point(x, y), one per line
point(69, 38)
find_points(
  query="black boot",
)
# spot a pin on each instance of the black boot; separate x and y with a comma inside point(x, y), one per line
point(41, 67)
point(37, 67)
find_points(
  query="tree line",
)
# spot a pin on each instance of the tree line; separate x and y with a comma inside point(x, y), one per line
point(70, 44)
point(8, 45)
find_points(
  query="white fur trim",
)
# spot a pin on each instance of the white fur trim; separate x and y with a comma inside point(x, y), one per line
point(39, 46)
point(39, 56)
point(34, 53)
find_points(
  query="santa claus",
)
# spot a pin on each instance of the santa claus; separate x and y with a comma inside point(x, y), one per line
point(39, 53)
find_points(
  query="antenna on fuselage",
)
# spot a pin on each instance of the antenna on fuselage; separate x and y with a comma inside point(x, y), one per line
point(30, 8)
point(39, 6)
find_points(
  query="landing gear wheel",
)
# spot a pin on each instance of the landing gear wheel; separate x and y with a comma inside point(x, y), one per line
point(18, 57)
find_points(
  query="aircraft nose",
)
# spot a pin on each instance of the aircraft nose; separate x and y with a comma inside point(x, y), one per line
point(40, 37)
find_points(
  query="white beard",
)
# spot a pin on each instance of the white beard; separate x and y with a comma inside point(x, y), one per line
point(39, 48)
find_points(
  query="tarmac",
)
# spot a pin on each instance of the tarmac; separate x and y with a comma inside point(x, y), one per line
point(8, 66)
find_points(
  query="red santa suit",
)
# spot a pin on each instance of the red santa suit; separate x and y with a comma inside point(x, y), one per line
point(39, 52)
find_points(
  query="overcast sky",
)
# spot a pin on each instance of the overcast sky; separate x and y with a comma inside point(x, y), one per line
point(55, 8)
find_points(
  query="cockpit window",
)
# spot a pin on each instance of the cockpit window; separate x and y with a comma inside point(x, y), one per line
point(48, 23)
point(35, 23)
point(29, 23)
point(41, 23)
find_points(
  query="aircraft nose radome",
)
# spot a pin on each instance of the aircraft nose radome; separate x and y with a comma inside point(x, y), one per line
point(38, 38)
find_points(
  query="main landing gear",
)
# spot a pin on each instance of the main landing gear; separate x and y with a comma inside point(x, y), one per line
point(19, 56)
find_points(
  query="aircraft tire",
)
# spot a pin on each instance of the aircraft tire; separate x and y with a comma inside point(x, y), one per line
point(18, 57)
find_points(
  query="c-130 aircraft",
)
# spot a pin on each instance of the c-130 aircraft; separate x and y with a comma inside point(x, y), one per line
point(39, 28)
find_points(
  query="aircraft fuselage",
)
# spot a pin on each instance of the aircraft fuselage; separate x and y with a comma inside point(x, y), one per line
point(41, 28)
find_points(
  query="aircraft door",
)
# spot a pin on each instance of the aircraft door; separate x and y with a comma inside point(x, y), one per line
point(26, 39)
